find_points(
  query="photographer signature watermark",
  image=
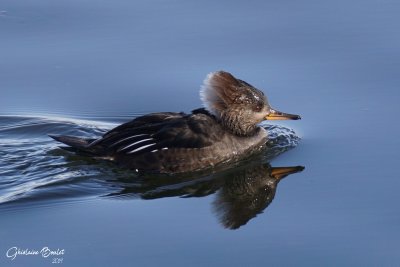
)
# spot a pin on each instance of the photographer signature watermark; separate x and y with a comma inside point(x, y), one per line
point(56, 255)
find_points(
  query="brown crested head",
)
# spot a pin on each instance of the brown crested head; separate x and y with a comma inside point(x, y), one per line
point(221, 91)
point(239, 105)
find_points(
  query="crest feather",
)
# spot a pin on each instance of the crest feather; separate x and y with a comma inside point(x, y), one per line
point(218, 91)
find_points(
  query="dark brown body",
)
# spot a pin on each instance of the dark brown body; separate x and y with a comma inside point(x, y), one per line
point(171, 143)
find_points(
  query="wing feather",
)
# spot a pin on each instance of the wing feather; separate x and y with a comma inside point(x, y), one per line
point(161, 131)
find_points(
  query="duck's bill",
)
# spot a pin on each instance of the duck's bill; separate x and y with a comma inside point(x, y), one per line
point(281, 172)
point(277, 115)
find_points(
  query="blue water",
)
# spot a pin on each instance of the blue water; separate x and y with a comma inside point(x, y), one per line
point(82, 67)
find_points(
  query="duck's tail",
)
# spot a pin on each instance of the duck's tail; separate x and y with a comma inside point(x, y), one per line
point(77, 144)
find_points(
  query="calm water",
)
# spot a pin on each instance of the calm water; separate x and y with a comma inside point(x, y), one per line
point(82, 67)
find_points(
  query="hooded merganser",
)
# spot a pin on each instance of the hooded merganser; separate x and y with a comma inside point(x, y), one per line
point(225, 130)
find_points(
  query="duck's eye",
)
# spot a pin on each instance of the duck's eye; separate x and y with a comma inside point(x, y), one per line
point(258, 108)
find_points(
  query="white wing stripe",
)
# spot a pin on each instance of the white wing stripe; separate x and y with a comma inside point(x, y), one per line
point(138, 142)
point(127, 138)
point(140, 148)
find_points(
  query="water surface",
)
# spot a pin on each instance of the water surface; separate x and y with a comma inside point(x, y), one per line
point(82, 67)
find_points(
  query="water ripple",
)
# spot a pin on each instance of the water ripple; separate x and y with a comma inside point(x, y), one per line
point(33, 168)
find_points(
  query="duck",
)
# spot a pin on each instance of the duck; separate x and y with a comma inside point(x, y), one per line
point(226, 129)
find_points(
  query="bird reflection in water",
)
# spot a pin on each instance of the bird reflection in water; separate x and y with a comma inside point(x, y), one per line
point(248, 192)
point(240, 193)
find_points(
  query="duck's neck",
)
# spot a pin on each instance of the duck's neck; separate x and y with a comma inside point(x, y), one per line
point(236, 126)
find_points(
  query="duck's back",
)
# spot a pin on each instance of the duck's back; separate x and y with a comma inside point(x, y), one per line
point(163, 142)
